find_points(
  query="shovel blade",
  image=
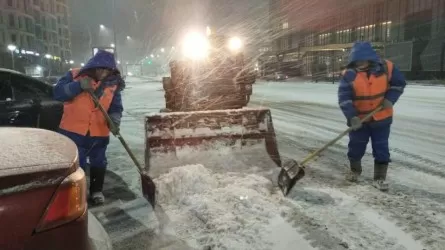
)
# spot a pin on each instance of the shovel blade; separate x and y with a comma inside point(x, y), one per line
point(291, 172)
point(148, 189)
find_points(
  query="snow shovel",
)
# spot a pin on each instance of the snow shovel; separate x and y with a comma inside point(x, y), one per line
point(148, 186)
point(292, 171)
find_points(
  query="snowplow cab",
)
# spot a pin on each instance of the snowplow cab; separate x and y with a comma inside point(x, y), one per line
point(206, 118)
point(214, 79)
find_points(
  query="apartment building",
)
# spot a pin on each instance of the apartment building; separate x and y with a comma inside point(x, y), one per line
point(36, 27)
point(317, 35)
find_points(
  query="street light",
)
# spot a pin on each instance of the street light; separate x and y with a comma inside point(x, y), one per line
point(71, 62)
point(48, 56)
point(128, 37)
point(82, 64)
point(152, 56)
point(12, 48)
point(102, 27)
point(112, 45)
point(162, 50)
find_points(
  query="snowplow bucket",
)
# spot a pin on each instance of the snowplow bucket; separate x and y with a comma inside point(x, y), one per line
point(223, 140)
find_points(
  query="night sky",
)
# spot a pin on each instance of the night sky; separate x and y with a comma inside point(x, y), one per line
point(155, 23)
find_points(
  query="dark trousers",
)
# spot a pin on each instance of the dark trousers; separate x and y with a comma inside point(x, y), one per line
point(90, 147)
point(379, 135)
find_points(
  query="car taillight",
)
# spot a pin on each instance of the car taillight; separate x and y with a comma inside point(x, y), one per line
point(67, 204)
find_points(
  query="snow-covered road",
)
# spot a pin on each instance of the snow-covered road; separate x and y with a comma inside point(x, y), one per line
point(412, 214)
point(327, 212)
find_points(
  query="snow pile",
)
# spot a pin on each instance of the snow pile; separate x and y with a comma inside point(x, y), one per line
point(218, 211)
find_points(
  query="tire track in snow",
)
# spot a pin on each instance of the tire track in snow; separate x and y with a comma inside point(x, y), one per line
point(346, 218)
point(293, 143)
point(432, 167)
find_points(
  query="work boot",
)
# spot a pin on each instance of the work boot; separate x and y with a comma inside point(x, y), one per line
point(380, 170)
point(97, 177)
point(355, 172)
point(97, 198)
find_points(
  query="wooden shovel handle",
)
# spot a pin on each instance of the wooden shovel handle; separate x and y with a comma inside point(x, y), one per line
point(316, 153)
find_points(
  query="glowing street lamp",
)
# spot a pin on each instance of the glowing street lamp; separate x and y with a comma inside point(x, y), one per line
point(12, 48)
point(102, 27)
point(112, 45)
point(71, 62)
point(162, 50)
point(48, 56)
point(82, 64)
point(128, 37)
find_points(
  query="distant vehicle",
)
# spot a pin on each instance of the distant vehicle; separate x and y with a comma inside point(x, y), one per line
point(277, 76)
point(27, 102)
point(43, 194)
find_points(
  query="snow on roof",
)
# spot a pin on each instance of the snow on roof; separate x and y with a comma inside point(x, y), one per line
point(26, 150)
point(10, 71)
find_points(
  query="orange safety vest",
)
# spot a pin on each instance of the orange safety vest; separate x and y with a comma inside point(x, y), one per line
point(370, 92)
point(80, 114)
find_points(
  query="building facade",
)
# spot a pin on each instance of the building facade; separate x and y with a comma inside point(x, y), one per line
point(40, 31)
point(314, 37)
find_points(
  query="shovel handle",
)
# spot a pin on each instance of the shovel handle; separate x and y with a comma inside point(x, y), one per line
point(118, 134)
point(316, 153)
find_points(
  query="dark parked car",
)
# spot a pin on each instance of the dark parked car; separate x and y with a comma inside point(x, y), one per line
point(27, 102)
point(51, 80)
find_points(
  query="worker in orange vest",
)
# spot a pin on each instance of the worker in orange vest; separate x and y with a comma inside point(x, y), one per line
point(83, 122)
point(367, 83)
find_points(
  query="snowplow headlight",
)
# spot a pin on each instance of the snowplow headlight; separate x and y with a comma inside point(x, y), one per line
point(195, 46)
point(235, 44)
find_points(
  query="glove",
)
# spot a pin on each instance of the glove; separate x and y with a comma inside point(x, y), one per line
point(387, 104)
point(115, 118)
point(114, 129)
point(85, 83)
point(115, 79)
point(355, 123)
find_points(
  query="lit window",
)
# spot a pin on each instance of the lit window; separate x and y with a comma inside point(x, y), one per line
point(285, 25)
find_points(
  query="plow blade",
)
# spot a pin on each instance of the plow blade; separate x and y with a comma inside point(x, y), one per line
point(238, 140)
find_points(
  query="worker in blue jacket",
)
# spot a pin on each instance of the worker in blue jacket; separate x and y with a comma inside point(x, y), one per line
point(367, 83)
point(83, 122)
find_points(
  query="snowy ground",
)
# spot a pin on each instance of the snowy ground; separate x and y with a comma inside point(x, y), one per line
point(322, 212)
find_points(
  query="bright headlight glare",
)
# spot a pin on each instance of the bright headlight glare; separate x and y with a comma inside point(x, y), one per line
point(235, 44)
point(195, 46)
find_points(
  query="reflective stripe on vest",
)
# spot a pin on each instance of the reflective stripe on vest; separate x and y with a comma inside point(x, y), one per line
point(370, 92)
point(80, 114)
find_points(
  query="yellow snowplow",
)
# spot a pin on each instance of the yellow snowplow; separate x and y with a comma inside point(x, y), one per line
point(206, 120)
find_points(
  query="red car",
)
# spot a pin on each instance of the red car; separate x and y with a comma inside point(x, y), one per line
point(43, 194)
